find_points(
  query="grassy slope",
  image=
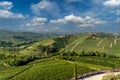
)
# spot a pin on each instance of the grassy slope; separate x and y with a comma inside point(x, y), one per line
point(33, 48)
point(76, 40)
point(101, 45)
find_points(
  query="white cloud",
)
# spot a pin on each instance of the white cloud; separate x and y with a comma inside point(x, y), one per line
point(98, 21)
point(79, 21)
point(6, 13)
point(67, 19)
point(58, 21)
point(37, 22)
point(112, 3)
point(6, 5)
point(46, 7)
point(9, 14)
point(41, 5)
point(74, 19)
point(39, 19)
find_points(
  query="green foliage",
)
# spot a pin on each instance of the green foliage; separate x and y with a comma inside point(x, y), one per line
point(103, 35)
point(118, 76)
point(2, 56)
point(19, 60)
point(68, 55)
point(61, 42)
point(47, 49)
point(92, 53)
point(6, 44)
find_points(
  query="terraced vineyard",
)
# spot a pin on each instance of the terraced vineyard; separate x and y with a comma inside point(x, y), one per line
point(76, 41)
point(51, 69)
point(46, 69)
point(87, 43)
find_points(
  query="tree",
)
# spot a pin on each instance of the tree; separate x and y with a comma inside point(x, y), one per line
point(75, 72)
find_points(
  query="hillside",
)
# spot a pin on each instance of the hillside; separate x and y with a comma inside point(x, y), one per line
point(35, 47)
point(12, 41)
point(105, 43)
point(54, 58)
point(98, 42)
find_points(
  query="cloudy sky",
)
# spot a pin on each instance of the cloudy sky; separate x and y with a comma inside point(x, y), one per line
point(60, 15)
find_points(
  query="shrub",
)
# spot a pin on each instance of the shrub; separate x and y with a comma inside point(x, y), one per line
point(19, 60)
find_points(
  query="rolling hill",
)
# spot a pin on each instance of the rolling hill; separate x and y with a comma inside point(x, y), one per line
point(11, 41)
point(54, 58)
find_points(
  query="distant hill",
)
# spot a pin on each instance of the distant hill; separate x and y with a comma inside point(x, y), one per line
point(28, 42)
point(95, 42)
point(10, 39)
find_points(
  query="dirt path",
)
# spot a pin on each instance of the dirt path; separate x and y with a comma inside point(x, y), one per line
point(72, 43)
point(75, 46)
point(98, 76)
point(76, 42)
point(100, 42)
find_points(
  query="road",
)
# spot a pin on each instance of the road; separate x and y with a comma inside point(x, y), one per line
point(98, 76)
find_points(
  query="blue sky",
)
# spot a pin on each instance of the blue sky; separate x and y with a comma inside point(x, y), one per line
point(60, 15)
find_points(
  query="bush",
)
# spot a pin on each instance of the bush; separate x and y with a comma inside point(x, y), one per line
point(2, 56)
point(83, 53)
point(19, 61)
